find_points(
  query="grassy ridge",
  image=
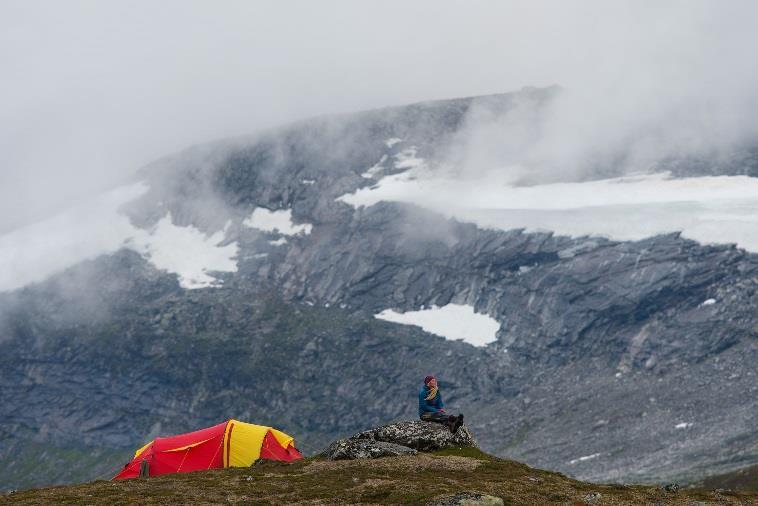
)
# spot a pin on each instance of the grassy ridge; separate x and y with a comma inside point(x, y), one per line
point(742, 479)
point(397, 480)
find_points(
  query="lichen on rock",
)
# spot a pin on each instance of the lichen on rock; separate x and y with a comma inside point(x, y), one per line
point(395, 439)
point(420, 435)
point(349, 449)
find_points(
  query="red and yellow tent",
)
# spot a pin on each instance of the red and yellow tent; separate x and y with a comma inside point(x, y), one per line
point(229, 444)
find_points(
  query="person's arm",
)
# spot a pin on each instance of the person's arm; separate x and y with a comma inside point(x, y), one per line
point(426, 406)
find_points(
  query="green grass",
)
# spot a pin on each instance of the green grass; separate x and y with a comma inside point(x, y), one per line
point(393, 480)
point(468, 451)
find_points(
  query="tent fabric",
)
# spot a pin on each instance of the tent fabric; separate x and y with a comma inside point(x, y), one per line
point(273, 450)
point(229, 444)
point(244, 440)
point(284, 439)
point(138, 452)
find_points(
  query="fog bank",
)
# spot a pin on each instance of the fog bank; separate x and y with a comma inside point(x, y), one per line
point(93, 90)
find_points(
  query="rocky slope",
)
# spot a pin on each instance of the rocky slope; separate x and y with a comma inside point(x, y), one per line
point(608, 366)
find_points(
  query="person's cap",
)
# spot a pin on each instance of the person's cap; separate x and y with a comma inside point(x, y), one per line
point(428, 379)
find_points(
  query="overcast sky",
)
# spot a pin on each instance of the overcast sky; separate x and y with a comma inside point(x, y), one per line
point(90, 91)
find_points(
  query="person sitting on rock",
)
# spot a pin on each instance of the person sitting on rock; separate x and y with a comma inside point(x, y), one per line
point(431, 407)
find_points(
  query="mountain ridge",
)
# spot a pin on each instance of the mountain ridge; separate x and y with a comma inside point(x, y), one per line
point(605, 346)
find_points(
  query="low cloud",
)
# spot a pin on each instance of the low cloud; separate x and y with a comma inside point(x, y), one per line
point(92, 91)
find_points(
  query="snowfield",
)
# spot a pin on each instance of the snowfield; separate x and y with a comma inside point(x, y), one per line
point(453, 322)
point(719, 209)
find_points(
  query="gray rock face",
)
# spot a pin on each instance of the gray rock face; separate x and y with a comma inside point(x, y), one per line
point(419, 435)
point(351, 449)
point(607, 366)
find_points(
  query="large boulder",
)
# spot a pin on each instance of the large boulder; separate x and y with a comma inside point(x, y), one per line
point(349, 449)
point(421, 436)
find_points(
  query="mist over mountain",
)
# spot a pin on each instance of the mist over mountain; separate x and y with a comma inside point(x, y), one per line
point(290, 213)
point(254, 278)
point(93, 92)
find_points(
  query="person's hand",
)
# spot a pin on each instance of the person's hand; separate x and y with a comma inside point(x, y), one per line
point(442, 410)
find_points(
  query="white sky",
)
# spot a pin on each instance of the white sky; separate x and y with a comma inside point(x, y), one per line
point(91, 90)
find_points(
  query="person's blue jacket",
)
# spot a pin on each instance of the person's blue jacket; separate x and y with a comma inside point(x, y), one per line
point(433, 406)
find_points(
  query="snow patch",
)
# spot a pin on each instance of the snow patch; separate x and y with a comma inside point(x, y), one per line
point(683, 425)
point(375, 169)
point(186, 251)
point(708, 302)
point(278, 242)
point(712, 209)
point(407, 159)
point(276, 221)
point(367, 197)
point(308, 181)
point(453, 322)
point(392, 141)
point(582, 459)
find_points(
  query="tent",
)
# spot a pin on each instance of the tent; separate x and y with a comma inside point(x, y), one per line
point(229, 444)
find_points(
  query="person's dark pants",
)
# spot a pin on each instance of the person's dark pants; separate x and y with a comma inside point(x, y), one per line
point(438, 418)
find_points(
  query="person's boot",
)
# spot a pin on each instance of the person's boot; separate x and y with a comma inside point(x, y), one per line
point(451, 421)
point(457, 424)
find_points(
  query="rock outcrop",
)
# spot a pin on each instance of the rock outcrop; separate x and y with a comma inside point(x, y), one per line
point(401, 438)
point(352, 449)
point(419, 435)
